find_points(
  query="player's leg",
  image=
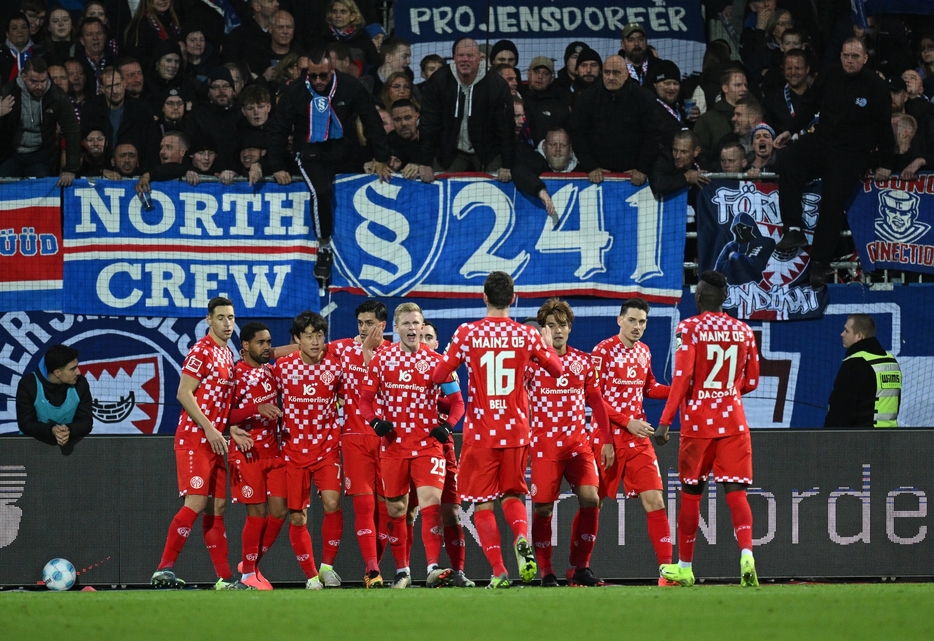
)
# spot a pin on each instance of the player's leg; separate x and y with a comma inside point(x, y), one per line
point(411, 513)
point(427, 474)
point(733, 468)
point(298, 480)
point(515, 461)
point(248, 486)
point(395, 479)
point(212, 522)
point(277, 505)
point(361, 473)
point(644, 478)
point(546, 487)
point(327, 478)
point(478, 483)
point(582, 474)
point(454, 543)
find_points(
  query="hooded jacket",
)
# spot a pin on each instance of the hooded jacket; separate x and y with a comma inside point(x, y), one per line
point(56, 110)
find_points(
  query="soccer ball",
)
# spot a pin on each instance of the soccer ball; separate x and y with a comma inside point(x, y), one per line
point(59, 575)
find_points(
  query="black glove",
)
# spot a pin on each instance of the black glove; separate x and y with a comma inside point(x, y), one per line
point(381, 427)
point(443, 432)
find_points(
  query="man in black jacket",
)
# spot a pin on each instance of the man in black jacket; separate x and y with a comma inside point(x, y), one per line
point(318, 111)
point(553, 155)
point(467, 119)
point(855, 118)
point(867, 390)
point(53, 404)
point(219, 116)
point(29, 144)
point(545, 106)
point(614, 126)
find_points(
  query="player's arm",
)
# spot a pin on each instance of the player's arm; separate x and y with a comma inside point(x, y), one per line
point(684, 372)
point(373, 339)
point(368, 391)
point(186, 396)
point(284, 350)
point(654, 389)
point(548, 358)
point(453, 404)
point(241, 437)
point(450, 360)
point(751, 370)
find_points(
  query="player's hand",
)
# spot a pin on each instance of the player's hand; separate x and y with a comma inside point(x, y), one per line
point(608, 456)
point(268, 410)
point(661, 435)
point(639, 428)
point(381, 427)
point(374, 337)
point(216, 440)
point(547, 336)
point(241, 437)
point(62, 433)
point(443, 432)
point(637, 177)
point(282, 177)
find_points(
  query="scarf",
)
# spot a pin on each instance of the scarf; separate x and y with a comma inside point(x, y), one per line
point(223, 7)
point(163, 34)
point(635, 74)
point(668, 108)
point(20, 57)
point(343, 35)
point(791, 108)
point(321, 115)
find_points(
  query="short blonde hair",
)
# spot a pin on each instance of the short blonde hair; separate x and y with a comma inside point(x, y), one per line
point(406, 308)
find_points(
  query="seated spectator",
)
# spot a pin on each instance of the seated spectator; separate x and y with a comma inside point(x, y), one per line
point(545, 106)
point(166, 73)
point(199, 54)
point(403, 139)
point(429, 64)
point(218, 115)
point(53, 405)
point(397, 56)
point(124, 163)
point(173, 114)
point(154, 21)
point(18, 48)
point(676, 168)
point(94, 152)
point(510, 75)
point(671, 114)
point(567, 74)
point(32, 109)
point(504, 52)
point(59, 77)
point(61, 42)
point(733, 158)
point(122, 118)
point(252, 152)
point(925, 66)
point(909, 159)
point(763, 157)
point(77, 81)
point(789, 108)
point(133, 78)
point(485, 141)
point(638, 56)
point(345, 25)
point(398, 86)
point(93, 53)
point(716, 123)
point(552, 155)
point(614, 126)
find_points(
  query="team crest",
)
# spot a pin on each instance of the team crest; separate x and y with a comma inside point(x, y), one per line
point(577, 367)
point(246, 491)
point(327, 378)
point(422, 366)
point(643, 361)
point(897, 218)
point(127, 393)
point(321, 104)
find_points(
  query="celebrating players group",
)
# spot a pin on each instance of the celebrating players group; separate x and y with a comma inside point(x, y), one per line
point(393, 454)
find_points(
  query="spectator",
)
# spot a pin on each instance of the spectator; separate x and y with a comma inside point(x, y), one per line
point(323, 148)
point(173, 161)
point(77, 81)
point(925, 66)
point(553, 155)
point(397, 56)
point(672, 117)
point(429, 64)
point(909, 159)
point(198, 53)
point(724, 29)
point(282, 41)
point(218, 115)
point(762, 158)
point(252, 152)
point(792, 40)
point(754, 36)
point(614, 126)
point(733, 158)
point(919, 108)
point(94, 152)
point(255, 107)
point(289, 69)
point(769, 53)
point(18, 48)
point(240, 74)
point(568, 73)
point(397, 87)
point(61, 41)
point(790, 108)
point(640, 62)
point(856, 111)
point(504, 52)
point(345, 24)
point(205, 161)
point(36, 13)
point(342, 59)
point(54, 404)
point(59, 77)
point(166, 73)
point(545, 107)
point(133, 78)
point(466, 122)
point(377, 35)
point(249, 41)
point(521, 125)
point(746, 115)
point(403, 139)
point(93, 54)
point(716, 123)
point(173, 114)
point(32, 109)
point(510, 75)
point(707, 90)
point(124, 162)
point(676, 168)
point(589, 71)
point(154, 21)
point(121, 118)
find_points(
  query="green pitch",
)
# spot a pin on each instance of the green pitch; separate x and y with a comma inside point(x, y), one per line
point(722, 613)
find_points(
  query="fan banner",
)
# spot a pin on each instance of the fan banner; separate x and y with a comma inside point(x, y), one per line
point(442, 239)
point(253, 245)
point(30, 245)
point(892, 224)
point(675, 28)
point(738, 226)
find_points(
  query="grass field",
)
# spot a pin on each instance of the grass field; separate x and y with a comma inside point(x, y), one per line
point(798, 612)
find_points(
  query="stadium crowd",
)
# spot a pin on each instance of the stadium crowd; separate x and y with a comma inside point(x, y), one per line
point(168, 89)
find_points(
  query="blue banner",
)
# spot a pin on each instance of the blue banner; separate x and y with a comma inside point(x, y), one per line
point(738, 225)
point(442, 239)
point(253, 245)
point(675, 28)
point(892, 224)
point(878, 7)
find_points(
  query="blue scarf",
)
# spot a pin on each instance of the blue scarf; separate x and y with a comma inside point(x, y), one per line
point(223, 7)
point(323, 123)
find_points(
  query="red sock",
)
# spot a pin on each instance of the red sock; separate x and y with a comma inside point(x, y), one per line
point(541, 540)
point(688, 520)
point(409, 538)
point(382, 529)
point(587, 522)
point(178, 534)
point(742, 518)
point(364, 522)
point(215, 538)
point(431, 533)
point(454, 545)
point(332, 527)
point(575, 533)
point(660, 535)
point(301, 545)
point(270, 534)
point(250, 541)
point(516, 518)
point(490, 539)
point(398, 536)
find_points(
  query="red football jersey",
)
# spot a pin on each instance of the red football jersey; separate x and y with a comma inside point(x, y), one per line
point(309, 406)
point(558, 407)
point(401, 383)
point(716, 362)
point(256, 386)
point(497, 352)
point(213, 366)
point(625, 378)
point(350, 353)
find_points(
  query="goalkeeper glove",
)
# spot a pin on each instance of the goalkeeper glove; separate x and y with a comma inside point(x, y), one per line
point(381, 427)
point(443, 432)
